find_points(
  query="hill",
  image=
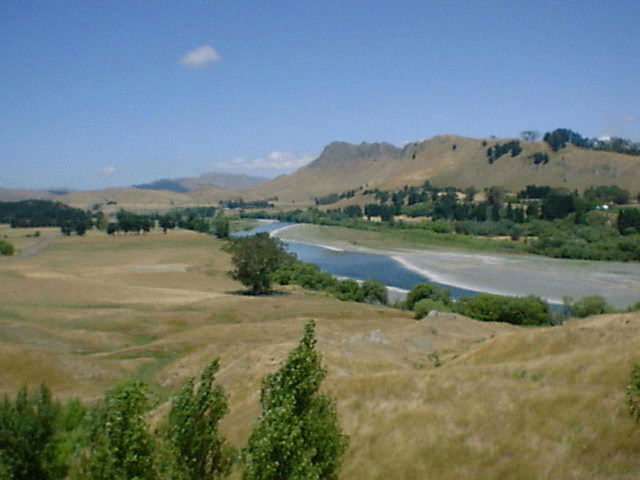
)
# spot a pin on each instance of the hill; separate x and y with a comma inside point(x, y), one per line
point(16, 194)
point(450, 160)
point(225, 181)
point(446, 397)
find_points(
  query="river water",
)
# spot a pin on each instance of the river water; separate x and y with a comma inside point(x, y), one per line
point(354, 264)
point(464, 273)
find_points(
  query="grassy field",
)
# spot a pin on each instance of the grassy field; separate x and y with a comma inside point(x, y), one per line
point(446, 397)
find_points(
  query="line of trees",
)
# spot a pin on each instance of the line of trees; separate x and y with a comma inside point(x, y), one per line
point(41, 213)
point(559, 138)
point(296, 436)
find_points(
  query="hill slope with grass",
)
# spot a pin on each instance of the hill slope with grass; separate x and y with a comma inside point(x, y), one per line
point(445, 397)
point(450, 160)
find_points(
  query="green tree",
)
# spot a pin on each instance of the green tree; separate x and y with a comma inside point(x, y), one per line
point(120, 445)
point(255, 258)
point(297, 436)
point(193, 427)
point(426, 290)
point(221, 228)
point(633, 394)
point(27, 428)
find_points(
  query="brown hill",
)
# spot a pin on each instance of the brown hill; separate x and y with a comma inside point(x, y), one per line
point(128, 198)
point(449, 160)
point(17, 194)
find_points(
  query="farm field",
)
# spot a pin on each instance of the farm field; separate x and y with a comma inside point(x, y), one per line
point(445, 397)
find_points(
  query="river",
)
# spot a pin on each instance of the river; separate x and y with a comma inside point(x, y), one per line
point(466, 273)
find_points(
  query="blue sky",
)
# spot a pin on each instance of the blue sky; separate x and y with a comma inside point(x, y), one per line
point(112, 93)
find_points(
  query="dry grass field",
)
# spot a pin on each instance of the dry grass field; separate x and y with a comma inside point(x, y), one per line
point(446, 397)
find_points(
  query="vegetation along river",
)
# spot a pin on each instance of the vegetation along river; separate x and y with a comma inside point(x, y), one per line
point(464, 273)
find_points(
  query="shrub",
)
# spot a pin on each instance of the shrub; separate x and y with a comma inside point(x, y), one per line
point(590, 305)
point(6, 248)
point(348, 290)
point(374, 292)
point(422, 307)
point(499, 308)
point(426, 290)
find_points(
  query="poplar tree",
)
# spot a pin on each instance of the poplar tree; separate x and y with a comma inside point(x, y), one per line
point(297, 435)
point(120, 445)
point(193, 427)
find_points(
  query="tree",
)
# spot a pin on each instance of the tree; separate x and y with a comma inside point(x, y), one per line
point(221, 228)
point(254, 259)
point(120, 446)
point(27, 428)
point(530, 135)
point(193, 427)
point(297, 436)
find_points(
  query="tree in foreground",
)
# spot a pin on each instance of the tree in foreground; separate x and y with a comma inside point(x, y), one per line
point(193, 433)
point(120, 446)
point(254, 259)
point(27, 428)
point(297, 435)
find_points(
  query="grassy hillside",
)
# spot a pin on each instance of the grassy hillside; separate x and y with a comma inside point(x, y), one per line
point(450, 160)
point(446, 397)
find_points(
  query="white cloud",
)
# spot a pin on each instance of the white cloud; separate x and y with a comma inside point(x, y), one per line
point(627, 119)
point(200, 57)
point(110, 170)
point(279, 161)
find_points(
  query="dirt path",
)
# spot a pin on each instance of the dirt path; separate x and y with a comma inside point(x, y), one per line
point(32, 249)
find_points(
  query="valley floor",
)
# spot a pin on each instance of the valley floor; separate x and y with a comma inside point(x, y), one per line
point(446, 397)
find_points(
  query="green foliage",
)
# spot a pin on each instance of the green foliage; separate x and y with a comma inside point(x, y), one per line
point(221, 227)
point(41, 213)
point(633, 394)
point(27, 427)
point(629, 221)
point(119, 443)
point(192, 429)
point(255, 258)
point(374, 292)
point(499, 308)
point(422, 307)
point(590, 305)
point(539, 158)
point(348, 290)
point(607, 194)
point(297, 436)
point(6, 248)
point(428, 291)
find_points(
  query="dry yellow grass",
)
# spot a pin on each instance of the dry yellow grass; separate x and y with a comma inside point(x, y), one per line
point(505, 402)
